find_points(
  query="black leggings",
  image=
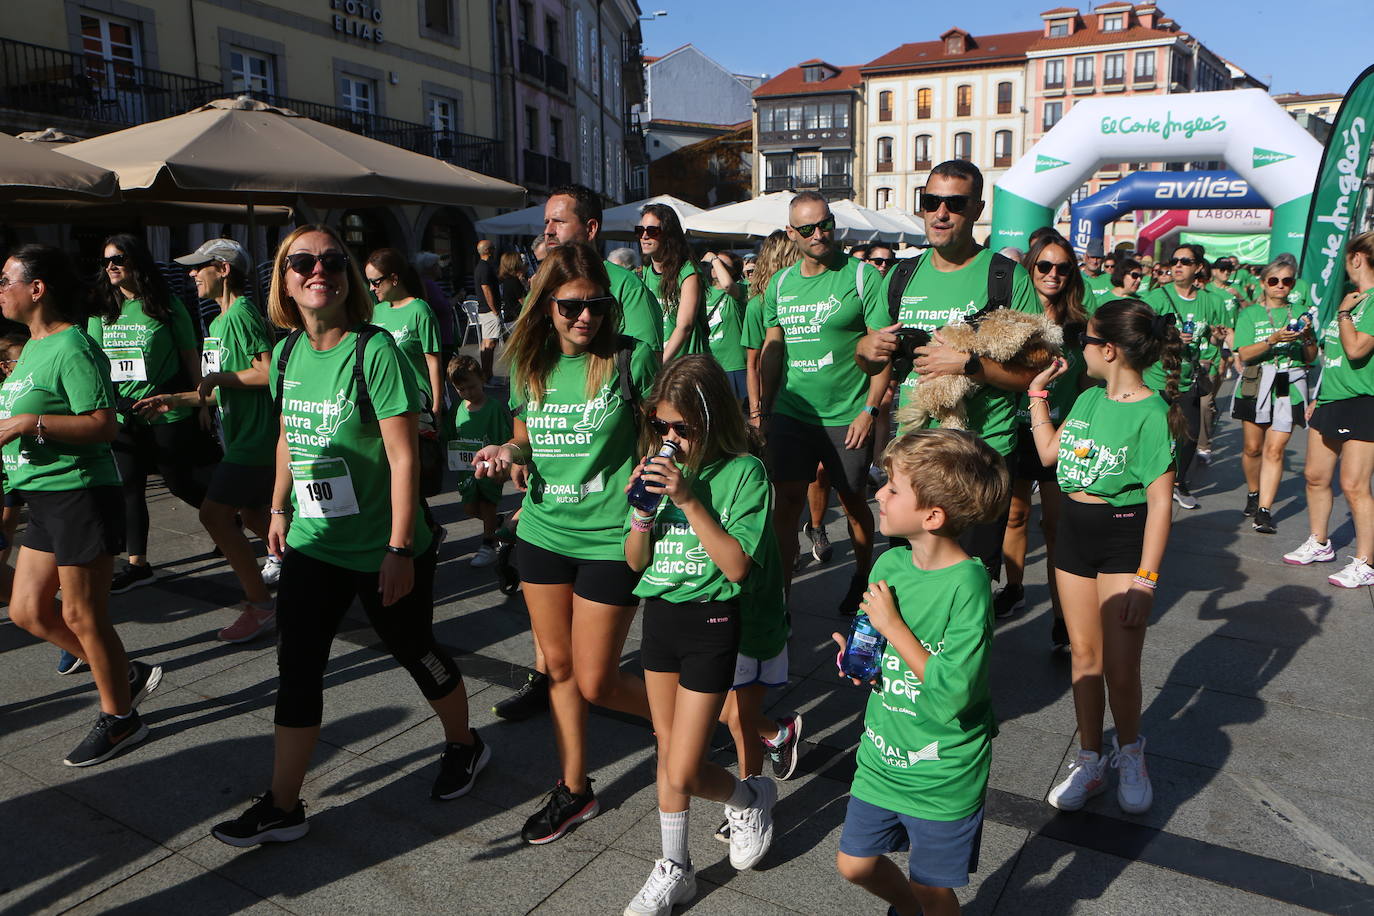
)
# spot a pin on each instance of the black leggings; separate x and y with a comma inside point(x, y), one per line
point(311, 602)
point(169, 449)
point(1190, 402)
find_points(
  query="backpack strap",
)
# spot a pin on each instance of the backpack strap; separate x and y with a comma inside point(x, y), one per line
point(625, 348)
point(859, 278)
point(287, 346)
point(898, 276)
point(363, 398)
point(1000, 270)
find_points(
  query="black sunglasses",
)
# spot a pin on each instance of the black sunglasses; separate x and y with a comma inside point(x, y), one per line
point(1135, 275)
point(303, 262)
point(648, 232)
point(1279, 281)
point(116, 260)
point(1084, 339)
point(1059, 267)
point(954, 203)
point(661, 427)
point(825, 225)
point(1186, 262)
point(881, 262)
point(572, 308)
point(374, 282)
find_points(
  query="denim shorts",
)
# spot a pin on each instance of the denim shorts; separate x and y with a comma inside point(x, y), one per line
point(943, 853)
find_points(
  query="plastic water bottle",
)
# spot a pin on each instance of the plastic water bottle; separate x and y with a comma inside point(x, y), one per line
point(639, 496)
point(1189, 325)
point(863, 650)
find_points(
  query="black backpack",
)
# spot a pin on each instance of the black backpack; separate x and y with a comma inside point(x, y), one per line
point(363, 401)
point(1000, 270)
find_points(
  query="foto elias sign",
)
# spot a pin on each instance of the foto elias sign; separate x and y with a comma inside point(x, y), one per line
point(358, 19)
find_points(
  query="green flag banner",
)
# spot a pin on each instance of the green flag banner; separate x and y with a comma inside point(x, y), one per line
point(1248, 249)
point(1337, 199)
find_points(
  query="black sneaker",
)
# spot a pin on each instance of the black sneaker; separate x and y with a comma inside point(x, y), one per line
point(784, 756)
point(131, 577)
point(1264, 522)
point(530, 700)
point(821, 549)
point(1059, 636)
point(143, 680)
point(560, 811)
point(507, 577)
point(1009, 599)
point(723, 831)
point(459, 766)
point(263, 822)
point(109, 736)
point(1251, 503)
point(849, 604)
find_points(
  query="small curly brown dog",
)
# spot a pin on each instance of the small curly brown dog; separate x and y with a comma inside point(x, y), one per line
point(1003, 336)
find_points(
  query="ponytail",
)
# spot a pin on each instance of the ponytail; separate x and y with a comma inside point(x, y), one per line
point(1171, 359)
point(1147, 337)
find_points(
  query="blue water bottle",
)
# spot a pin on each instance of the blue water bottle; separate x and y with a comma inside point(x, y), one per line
point(1189, 324)
point(863, 650)
point(640, 497)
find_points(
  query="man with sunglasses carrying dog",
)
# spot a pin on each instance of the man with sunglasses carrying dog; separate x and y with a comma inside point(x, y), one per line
point(951, 281)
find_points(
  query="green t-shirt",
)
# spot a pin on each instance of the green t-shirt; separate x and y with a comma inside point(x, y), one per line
point(1166, 300)
point(1097, 290)
point(341, 481)
point(247, 415)
point(1249, 286)
point(751, 328)
point(738, 494)
point(725, 321)
point(145, 354)
point(1256, 323)
point(1114, 450)
point(935, 298)
point(63, 374)
point(1226, 307)
point(416, 333)
point(466, 432)
point(1342, 377)
point(1063, 390)
point(696, 339)
point(822, 320)
point(640, 315)
point(926, 749)
point(583, 450)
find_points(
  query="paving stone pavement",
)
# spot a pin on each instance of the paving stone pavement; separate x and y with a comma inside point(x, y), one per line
point(1257, 696)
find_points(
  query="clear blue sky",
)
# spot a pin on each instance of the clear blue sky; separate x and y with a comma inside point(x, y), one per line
point(1296, 46)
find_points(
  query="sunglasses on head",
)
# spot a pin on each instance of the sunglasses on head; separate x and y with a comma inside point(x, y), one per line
point(648, 232)
point(825, 225)
point(954, 203)
point(661, 427)
point(1084, 339)
point(881, 262)
point(1059, 267)
point(573, 308)
point(1279, 281)
point(114, 260)
point(1186, 262)
point(303, 262)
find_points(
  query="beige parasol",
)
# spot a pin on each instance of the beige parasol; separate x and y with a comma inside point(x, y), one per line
point(34, 170)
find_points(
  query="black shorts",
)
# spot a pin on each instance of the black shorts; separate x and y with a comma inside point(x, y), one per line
point(1244, 409)
point(796, 447)
point(1025, 461)
point(76, 526)
point(698, 641)
point(243, 486)
point(603, 581)
point(13, 499)
point(1351, 419)
point(1098, 538)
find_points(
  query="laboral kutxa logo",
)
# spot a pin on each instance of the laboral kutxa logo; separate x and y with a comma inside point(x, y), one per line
point(1265, 157)
point(1165, 127)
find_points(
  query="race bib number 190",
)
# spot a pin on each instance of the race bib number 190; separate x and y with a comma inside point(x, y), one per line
point(324, 488)
point(127, 365)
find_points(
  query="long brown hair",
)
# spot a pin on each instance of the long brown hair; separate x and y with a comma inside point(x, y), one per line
point(672, 244)
point(775, 253)
point(389, 262)
point(696, 386)
point(1145, 338)
point(282, 309)
point(532, 350)
point(1066, 309)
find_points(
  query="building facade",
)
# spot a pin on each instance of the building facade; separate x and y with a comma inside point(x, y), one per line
point(808, 131)
point(711, 172)
point(1316, 112)
point(541, 117)
point(607, 70)
point(688, 97)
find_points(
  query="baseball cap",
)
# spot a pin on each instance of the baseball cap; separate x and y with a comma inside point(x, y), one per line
point(1094, 249)
point(226, 250)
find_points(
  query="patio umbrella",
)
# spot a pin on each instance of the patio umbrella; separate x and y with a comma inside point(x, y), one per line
point(762, 215)
point(619, 222)
point(529, 221)
point(34, 170)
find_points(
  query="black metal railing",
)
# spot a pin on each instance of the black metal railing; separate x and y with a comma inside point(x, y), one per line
point(778, 183)
point(833, 182)
point(535, 167)
point(531, 60)
point(555, 73)
point(560, 172)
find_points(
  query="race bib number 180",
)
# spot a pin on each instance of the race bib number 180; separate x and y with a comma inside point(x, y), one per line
point(324, 488)
point(461, 452)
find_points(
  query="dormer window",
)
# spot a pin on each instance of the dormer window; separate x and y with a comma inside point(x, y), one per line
point(1059, 28)
point(1114, 22)
point(956, 41)
point(812, 74)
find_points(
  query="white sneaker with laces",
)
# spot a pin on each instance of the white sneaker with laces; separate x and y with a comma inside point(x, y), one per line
point(1311, 551)
point(271, 571)
point(485, 556)
point(1355, 574)
point(669, 884)
point(1087, 777)
point(1133, 791)
point(751, 828)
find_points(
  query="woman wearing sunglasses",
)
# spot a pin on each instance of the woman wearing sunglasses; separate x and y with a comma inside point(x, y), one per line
point(1342, 426)
point(1276, 345)
point(346, 523)
point(1061, 290)
point(1127, 277)
point(411, 323)
point(146, 332)
point(673, 278)
point(575, 388)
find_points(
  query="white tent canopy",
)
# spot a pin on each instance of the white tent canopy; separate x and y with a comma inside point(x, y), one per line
point(619, 222)
point(762, 215)
point(529, 221)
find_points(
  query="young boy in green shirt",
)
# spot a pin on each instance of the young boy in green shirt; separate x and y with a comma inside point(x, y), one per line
point(475, 421)
point(924, 758)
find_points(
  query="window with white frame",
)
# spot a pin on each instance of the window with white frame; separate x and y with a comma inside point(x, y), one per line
point(1083, 71)
point(1053, 112)
point(1001, 148)
point(1114, 68)
point(1059, 28)
point(599, 174)
point(921, 149)
point(1054, 73)
point(1113, 22)
point(963, 146)
point(251, 71)
point(1144, 66)
point(594, 42)
point(882, 198)
point(358, 93)
point(112, 49)
point(581, 45)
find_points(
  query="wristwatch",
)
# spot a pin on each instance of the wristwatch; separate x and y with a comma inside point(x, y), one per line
point(974, 365)
point(400, 551)
point(871, 410)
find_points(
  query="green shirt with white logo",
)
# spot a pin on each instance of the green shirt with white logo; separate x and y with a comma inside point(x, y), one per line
point(926, 750)
point(416, 333)
point(822, 320)
point(341, 480)
point(1114, 450)
point(1167, 300)
point(1257, 322)
point(64, 374)
point(724, 322)
point(466, 432)
point(247, 416)
point(696, 338)
point(145, 354)
point(1342, 377)
point(935, 298)
point(583, 449)
point(1097, 290)
point(640, 315)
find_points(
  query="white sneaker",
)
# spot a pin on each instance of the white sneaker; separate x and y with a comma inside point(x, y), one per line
point(485, 556)
point(271, 571)
point(1087, 777)
point(1356, 573)
point(1311, 551)
point(1204, 455)
point(1133, 791)
point(751, 829)
point(669, 884)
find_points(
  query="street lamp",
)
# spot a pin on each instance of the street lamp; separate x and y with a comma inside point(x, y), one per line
point(656, 14)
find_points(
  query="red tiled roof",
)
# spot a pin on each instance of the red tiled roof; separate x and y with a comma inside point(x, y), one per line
point(1117, 5)
point(1060, 9)
point(1092, 35)
point(1305, 97)
point(791, 81)
point(979, 49)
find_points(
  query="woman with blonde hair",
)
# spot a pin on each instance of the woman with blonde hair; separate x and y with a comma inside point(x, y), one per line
point(775, 252)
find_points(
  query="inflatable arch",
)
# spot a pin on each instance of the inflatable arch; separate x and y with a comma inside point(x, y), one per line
point(1242, 127)
point(1172, 222)
point(1088, 218)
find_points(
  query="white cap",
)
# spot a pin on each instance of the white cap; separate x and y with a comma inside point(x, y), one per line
point(226, 250)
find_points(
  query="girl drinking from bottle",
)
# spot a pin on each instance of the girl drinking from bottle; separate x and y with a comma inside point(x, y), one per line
point(1115, 454)
point(698, 550)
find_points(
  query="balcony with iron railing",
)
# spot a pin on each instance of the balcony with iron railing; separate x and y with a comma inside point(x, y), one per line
point(548, 171)
point(555, 73)
point(839, 181)
point(531, 60)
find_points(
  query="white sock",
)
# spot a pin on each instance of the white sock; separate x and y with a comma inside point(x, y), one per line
point(781, 737)
point(673, 826)
point(742, 797)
